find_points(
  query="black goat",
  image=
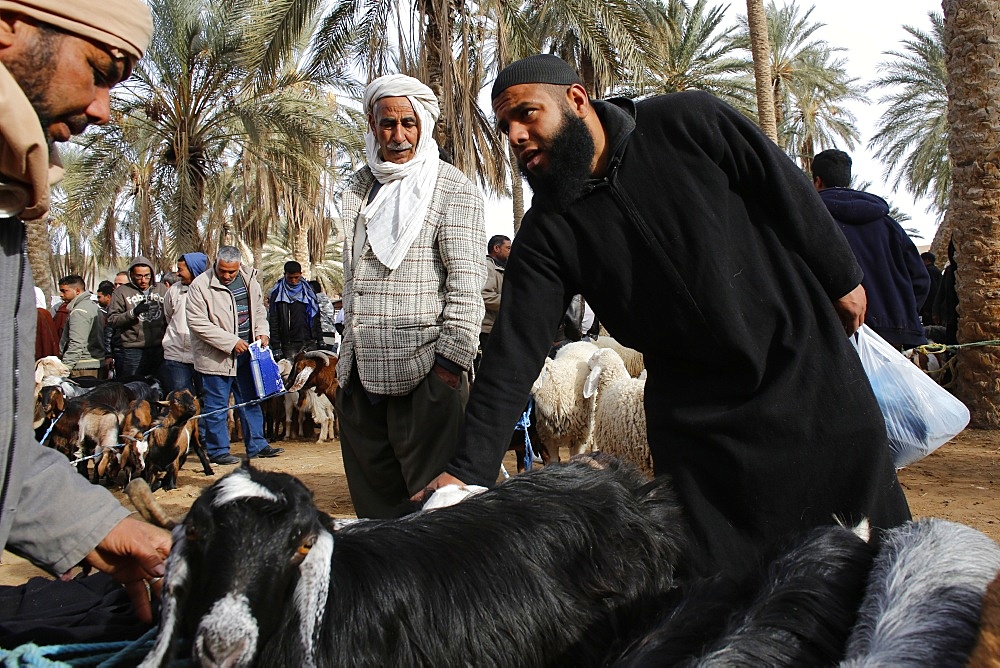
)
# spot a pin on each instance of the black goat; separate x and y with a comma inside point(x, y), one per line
point(798, 613)
point(549, 568)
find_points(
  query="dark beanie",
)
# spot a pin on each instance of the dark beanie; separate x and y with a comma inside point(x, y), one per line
point(543, 68)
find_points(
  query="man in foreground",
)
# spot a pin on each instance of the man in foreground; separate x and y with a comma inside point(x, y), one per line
point(57, 69)
point(676, 214)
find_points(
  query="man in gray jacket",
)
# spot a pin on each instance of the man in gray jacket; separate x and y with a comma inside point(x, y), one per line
point(498, 248)
point(81, 347)
point(225, 311)
point(413, 272)
point(56, 67)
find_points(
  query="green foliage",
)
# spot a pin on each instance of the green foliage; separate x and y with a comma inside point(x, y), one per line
point(224, 127)
point(912, 135)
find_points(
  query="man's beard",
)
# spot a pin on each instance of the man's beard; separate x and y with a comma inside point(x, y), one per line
point(33, 72)
point(570, 153)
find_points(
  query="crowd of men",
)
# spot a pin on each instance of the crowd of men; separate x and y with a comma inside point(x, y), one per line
point(190, 334)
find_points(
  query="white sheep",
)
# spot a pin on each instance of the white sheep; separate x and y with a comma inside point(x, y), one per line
point(619, 413)
point(632, 358)
point(564, 417)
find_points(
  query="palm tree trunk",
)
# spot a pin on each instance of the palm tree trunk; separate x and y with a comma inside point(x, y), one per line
point(300, 249)
point(516, 190)
point(40, 255)
point(971, 27)
point(760, 47)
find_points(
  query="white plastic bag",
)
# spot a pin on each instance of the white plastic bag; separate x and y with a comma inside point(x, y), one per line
point(920, 415)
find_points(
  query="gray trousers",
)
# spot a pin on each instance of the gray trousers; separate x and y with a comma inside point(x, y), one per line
point(393, 448)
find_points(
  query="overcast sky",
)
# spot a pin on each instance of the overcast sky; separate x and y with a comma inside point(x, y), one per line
point(865, 29)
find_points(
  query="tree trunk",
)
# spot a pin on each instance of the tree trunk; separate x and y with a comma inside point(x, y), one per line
point(516, 190)
point(972, 39)
point(760, 47)
point(40, 255)
point(939, 244)
point(300, 249)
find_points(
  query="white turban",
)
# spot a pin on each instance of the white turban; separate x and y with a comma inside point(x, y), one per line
point(396, 214)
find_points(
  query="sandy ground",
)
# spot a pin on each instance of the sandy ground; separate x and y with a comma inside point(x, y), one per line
point(958, 482)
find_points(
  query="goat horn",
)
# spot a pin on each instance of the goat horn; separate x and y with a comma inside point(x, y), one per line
point(142, 498)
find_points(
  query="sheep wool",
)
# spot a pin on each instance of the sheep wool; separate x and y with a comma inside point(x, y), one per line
point(564, 416)
point(619, 414)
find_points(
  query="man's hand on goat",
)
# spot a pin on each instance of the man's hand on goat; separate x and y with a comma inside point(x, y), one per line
point(134, 553)
point(440, 481)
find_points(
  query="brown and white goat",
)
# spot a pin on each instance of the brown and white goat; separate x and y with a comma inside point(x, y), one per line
point(170, 438)
point(132, 461)
point(323, 414)
point(89, 425)
point(316, 369)
point(50, 402)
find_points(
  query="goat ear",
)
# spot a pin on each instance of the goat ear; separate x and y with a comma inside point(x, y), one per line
point(301, 379)
point(590, 385)
point(171, 600)
point(312, 590)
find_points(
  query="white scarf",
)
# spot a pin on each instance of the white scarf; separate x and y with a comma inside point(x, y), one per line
point(395, 216)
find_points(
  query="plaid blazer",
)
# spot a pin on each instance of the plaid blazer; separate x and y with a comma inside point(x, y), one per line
point(395, 322)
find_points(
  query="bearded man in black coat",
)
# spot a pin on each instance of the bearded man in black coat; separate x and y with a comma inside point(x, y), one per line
point(676, 214)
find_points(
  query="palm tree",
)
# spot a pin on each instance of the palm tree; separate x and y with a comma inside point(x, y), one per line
point(607, 41)
point(912, 135)
point(808, 82)
point(223, 95)
point(819, 117)
point(760, 48)
point(696, 52)
point(974, 202)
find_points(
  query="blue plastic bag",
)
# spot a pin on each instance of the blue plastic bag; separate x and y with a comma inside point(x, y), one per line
point(266, 375)
point(920, 415)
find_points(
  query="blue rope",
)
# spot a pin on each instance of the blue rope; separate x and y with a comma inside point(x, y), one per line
point(522, 425)
point(49, 430)
point(99, 655)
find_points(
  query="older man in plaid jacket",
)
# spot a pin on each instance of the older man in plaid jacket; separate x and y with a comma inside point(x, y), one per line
point(413, 275)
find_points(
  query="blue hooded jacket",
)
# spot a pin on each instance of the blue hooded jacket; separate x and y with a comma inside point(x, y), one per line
point(896, 280)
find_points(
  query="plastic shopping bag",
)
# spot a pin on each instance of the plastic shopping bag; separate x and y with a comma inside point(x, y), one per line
point(266, 375)
point(920, 415)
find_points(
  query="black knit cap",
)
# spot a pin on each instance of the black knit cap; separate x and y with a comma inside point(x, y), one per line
point(543, 68)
